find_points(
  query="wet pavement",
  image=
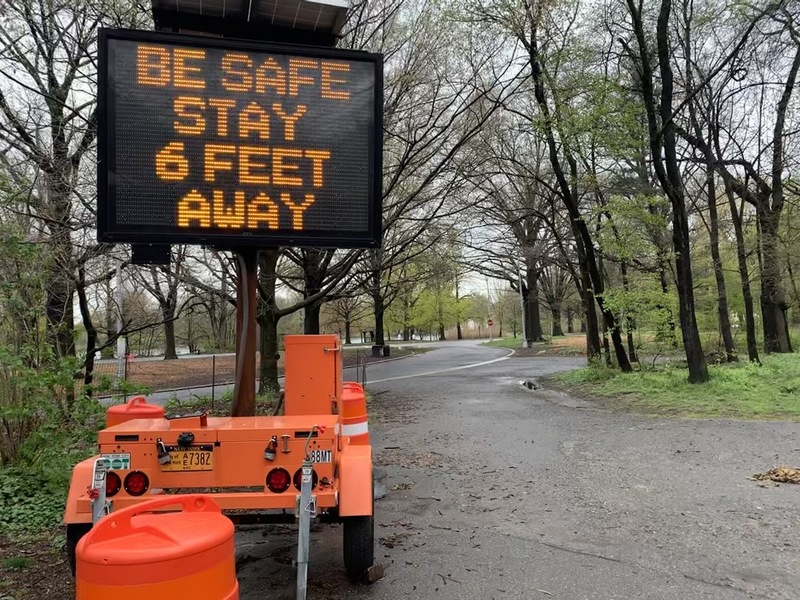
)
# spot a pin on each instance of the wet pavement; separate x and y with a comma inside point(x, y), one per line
point(498, 491)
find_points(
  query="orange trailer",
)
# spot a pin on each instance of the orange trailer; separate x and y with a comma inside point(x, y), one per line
point(251, 466)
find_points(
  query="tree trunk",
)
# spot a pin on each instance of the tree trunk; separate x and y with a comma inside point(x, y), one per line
point(170, 352)
point(583, 238)
point(589, 323)
point(311, 316)
point(591, 327)
point(629, 321)
point(247, 313)
point(315, 263)
point(662, 277)
point(376, 293)
point(698, 371)
point(570, 320)
point(268, 317)
point(673, 185)
point(111, 322)
point(631, 346)
point(347, 339)
point(60, 284)
point(662, 137)
point(440, 315)
point(533, 318)
point(610, 324)
point(719, 275)
point(60, 313)
point(378, 309)
point(773, 297)
point(795, 290)
point(606, 346)
point(555, 312)
point(268, 363)
point(459, 335)
point(91, 332)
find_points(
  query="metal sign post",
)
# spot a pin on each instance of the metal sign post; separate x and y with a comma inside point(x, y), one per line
point(244, 391)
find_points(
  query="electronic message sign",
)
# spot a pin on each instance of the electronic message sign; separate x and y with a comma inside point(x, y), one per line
point(233, 143)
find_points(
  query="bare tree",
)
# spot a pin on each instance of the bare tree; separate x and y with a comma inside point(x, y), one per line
point(163, 282)
point(664, 154)
point(443, 80)
point(48, 124)
point(543, 31)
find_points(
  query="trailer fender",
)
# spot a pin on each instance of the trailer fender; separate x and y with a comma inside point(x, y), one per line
point(355, 481)
point(78, 487)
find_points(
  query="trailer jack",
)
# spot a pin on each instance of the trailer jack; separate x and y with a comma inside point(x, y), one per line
point(307, 510)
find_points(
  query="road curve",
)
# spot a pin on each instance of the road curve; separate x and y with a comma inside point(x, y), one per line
point(444, 357)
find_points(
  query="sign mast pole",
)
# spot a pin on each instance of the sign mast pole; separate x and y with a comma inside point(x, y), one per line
point(244, 392)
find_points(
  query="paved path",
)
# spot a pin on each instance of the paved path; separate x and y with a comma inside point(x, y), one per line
point(445, 355)
point(501, 492)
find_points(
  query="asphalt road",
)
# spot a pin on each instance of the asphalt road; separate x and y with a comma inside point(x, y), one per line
point(448, 355)
point(501, 492)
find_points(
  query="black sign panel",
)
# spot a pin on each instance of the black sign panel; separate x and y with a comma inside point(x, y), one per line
point(212, 141)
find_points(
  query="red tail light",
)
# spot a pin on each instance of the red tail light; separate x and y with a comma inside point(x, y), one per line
point(113, 484)
point(278, 480)
point(298, 478)
point(136, 483)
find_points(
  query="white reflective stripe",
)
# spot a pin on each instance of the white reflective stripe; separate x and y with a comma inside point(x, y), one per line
point(356, 429)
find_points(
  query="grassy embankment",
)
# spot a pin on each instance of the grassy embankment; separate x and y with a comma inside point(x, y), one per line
point(737, 391)
point(569, 345)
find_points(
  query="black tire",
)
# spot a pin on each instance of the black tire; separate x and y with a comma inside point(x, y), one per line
point(74, 534)
point(358, 545)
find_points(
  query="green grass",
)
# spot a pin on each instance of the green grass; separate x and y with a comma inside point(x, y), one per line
point(221, 405)
point(568, 345)
point(17, 563)
point(738, 391)
point(507, 342)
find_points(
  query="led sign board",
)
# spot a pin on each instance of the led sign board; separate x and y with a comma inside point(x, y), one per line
point(212, 141)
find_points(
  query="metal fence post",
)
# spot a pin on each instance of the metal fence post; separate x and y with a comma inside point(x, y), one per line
point(364, 373)
point(213, 379)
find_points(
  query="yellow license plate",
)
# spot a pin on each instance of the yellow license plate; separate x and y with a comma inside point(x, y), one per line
point(196, 458)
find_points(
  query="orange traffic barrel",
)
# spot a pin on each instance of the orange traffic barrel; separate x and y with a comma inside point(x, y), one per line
point(135, 408)
point(135, 553)
point(354, 413)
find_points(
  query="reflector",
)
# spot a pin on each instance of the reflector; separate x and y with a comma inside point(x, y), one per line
point(278, 480)
point(136, 483)
point(113, 484)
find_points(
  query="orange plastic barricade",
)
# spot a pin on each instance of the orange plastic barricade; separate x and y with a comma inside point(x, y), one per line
point(135, 408)
point(131, 555)
point(355, 424)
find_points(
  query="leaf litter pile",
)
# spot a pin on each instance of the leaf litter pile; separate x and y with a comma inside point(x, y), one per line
point(778, 475)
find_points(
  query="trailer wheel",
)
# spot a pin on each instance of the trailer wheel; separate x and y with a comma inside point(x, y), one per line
point(358, 544)
point(75, 532)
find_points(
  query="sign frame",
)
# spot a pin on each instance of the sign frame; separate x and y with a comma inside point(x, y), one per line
point(109, 231)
